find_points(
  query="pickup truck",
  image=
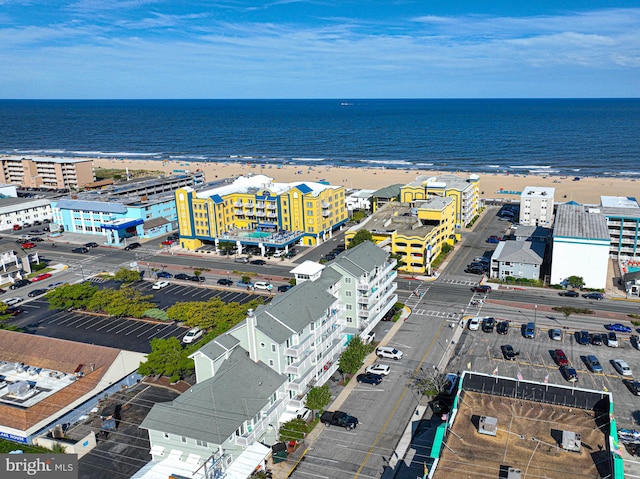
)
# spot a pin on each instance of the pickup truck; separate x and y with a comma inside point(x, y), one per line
point(338, 418)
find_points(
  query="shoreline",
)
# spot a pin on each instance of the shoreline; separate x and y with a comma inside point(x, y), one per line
point(492, 186)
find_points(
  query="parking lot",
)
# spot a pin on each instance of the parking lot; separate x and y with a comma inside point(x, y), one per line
point(481, 351)
point(123, 333)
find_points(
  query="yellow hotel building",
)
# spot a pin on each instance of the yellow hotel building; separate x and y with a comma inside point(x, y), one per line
point(253, 210)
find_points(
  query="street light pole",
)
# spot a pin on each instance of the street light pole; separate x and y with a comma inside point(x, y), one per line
point(535, 313)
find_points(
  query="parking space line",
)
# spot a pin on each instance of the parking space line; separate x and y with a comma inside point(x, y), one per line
point(109, 324)
point(142, 325)
point(149, 328)
point(81, 319)
point(59, 316)
point(119, 322)
point(98, 322)
point(129, 324)
point(72, 317)
point(159, 331)
point(170, 333)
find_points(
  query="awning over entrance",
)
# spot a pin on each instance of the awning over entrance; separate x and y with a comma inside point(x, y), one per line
point(246, 463)
point(121, 224)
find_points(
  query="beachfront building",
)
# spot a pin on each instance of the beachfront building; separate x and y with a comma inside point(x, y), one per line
point(122, 212)
point(253, 210)
point(464, 192)
point(517, 259)
point(416, 231)
point(580, 245)
point(18, 211)
point(623, 220)
point(45, 172)
point(536, 206)
point(255, 377)
point(360, 200)
point(47, 383)
point(385, 195)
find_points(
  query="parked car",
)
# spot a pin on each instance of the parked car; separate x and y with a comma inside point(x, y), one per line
point(582, 337)
point(633, 386)
point(259, 262)
point(481, 259)
point(474, 324)
point(14, 311)
point(369, 378)
point(593, 364)
point(377, 368)
point(131, 246)
point(36, 292)
point(291, 253)
point(241, 259)
point(91, 245)
point(197, 278)
point(569, 293)
point(389, 315)
point(55, 285)
point(596, 296)
point(622, 367)
point(160, 284)
point(28, 245)
point(17, 227)
point(474, 270)
point(192, 335)
point(12, 301)
point(555, 334)
point(81, 250)
point(243, 284)
point(560, 357)
point(2, 291)
point(569, 373)
point(529, 331)
point(338, 418)
point(163, 274)
point(284, 288)
point(20, 283)
point(612, 339)
point(482, 288)
point(263, 285)
point(41, 277)
point(503, 327)
point(508, 352)
point(620, 328)
point(488, 324)
point(388, 352)
point(493, 239)
point(182, 276)
point(225, 282)
point(596, 339)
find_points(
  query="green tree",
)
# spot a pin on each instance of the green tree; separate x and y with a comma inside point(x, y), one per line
point(121, 302)
point(197, 273)
point(575, 281)
point(358, 216)
point(125, 275)
point(76, 296)
point(352, 357)
point(293, 430)
point(226, 248)
point(214, 314)
point(318, 398)
point(168, 358)
point(360, 237)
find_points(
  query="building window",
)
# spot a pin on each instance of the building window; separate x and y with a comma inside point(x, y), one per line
point(347, 280)
point(165, 435)
point(347, 294)
point(348, 307)
point(262, 345)
point(273, 348)
point(271, 362)
point(183, 439)
point(201, 443)
point(349, 319)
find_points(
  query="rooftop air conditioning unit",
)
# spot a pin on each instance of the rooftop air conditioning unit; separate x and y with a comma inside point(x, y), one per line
point(488, 425)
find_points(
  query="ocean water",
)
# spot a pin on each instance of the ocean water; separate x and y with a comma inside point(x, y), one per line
point(564, 137)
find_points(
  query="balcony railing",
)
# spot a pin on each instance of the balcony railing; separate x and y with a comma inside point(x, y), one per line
point(258, 429)
point(296, 350)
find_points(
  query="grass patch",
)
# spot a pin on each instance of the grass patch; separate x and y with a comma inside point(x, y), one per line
point(8, 446)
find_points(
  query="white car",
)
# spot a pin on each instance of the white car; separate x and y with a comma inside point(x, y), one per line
point(263, 285)
point(160, 284)
point(377, 368)
point(612, 339)
point(389, 352)
point(12, 301)
point(192, 335)
point(622, 367)
point(474, 324)
point(369, 338)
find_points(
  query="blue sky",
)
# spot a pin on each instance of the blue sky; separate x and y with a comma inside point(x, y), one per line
point(97, 49)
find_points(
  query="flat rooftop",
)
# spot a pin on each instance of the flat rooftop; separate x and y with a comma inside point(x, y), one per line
point(528, 438)
point(23, 385)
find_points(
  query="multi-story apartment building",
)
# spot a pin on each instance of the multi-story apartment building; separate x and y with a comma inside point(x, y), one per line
point(18, 211)
point(44, 172)
point(623, 221)
point(253, 210)
point(464, 191)
point(414, 231)
point(256, 376)
point(536, 206)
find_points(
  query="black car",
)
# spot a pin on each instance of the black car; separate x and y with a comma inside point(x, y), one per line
point(36, 292)
point(163, 274)
point(596, 296)
point(338, 418)
point(291, 253)
point(633, 386)
point(569, 373)
point(259, 262)
point(474, 270)
point(131, 246)
point(20, 283)
point(14, 311)
point(488, 324)
point(283, 288)
point(329, 256)
point(502, 327)
point(582, 337)
point(173, 237)
point(197, 279)
point(225, 282)
point(596, 339)
point(369, 378)
point(569, 293)
point(182, 276)
point(81, 249)
point(508, 352)
point(91, 245)
point(390, 315)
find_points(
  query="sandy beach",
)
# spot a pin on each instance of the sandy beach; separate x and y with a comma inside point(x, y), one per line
point(492, 186)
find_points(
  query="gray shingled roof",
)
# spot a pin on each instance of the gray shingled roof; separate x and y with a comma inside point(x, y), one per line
point(392, 191)
point(213, 409)
point(574, 221)
point(289, 313)
point(360, 259)
point(523, 252)
point(220, 345)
